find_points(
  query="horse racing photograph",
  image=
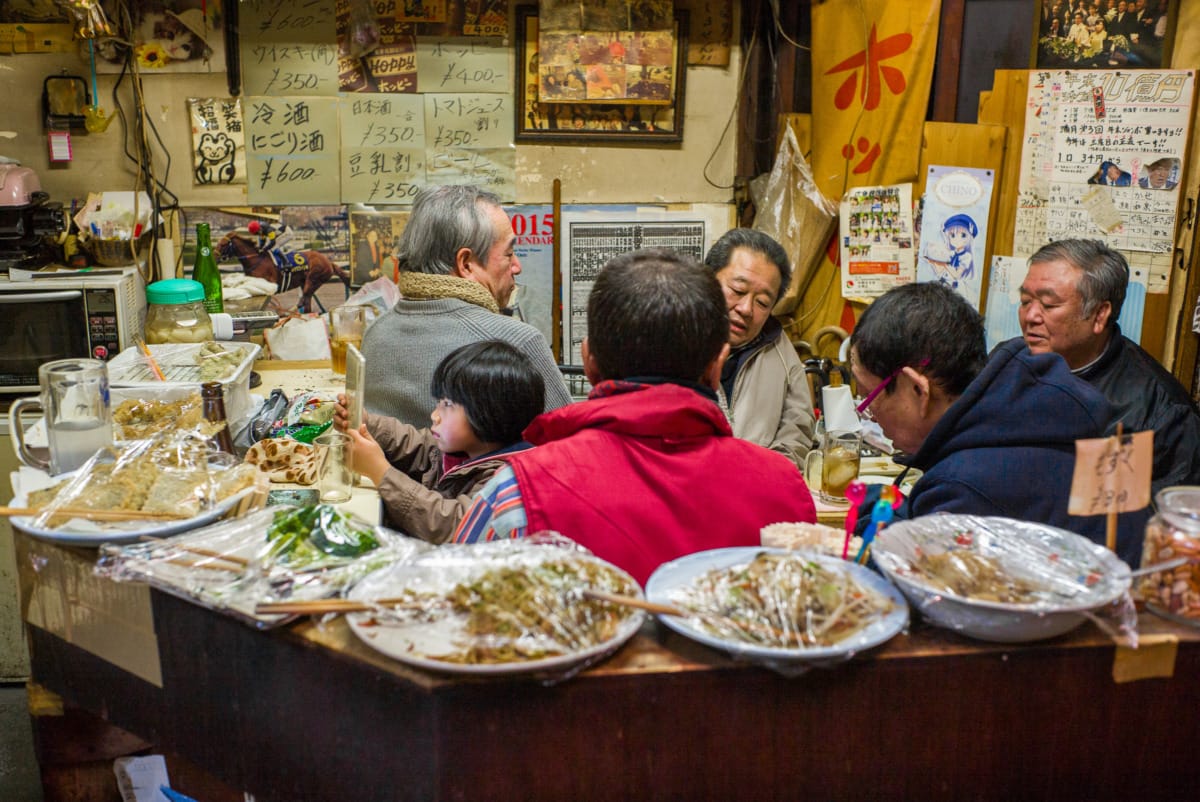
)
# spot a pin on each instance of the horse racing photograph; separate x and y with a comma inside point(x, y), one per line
point(300, 255)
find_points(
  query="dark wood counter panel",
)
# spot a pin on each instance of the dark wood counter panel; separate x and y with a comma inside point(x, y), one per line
point(308, 712)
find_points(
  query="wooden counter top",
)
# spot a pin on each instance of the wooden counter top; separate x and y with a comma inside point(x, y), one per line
point(309, 712)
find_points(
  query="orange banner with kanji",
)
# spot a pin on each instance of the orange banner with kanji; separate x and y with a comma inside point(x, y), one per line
point(872, 76)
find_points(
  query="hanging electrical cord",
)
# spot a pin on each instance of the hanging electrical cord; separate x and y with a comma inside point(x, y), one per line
point(138, 131)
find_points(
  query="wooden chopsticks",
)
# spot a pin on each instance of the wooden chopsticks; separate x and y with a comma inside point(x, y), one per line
point(95, 515)
point(633, 601)
point(324, 606)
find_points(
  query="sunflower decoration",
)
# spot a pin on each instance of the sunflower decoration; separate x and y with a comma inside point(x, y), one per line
point(151, 55)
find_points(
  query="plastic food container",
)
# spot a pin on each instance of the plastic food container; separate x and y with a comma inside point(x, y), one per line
point(175, 313)
point(1174, 532)
point(130, 377)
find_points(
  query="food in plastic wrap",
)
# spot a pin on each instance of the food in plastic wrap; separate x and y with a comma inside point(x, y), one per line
point(216, 362)
point(169, 473)
point(976, 576)
point(501, 607)
point(786, 610)
point(137, 419)
point(1003, 580)
point(286, 460)
point(233, 566)
point(308, 535)
point(155, 487)
point(783, 601)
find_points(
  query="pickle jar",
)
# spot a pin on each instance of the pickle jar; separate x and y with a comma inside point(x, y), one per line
point(1173, 532)
point(175, 312)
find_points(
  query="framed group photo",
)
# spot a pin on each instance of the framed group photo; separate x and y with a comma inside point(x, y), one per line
point(1108, 34)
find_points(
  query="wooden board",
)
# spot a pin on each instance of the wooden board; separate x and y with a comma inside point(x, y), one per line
point(1005, 105)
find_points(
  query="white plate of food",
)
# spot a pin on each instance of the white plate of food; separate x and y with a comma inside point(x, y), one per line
point(129, 480)
point(80, 532)
point(778, 606)
point(999, 579)
point(527, 613)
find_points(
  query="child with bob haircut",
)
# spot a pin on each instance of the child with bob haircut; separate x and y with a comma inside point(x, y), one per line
point(487, 393)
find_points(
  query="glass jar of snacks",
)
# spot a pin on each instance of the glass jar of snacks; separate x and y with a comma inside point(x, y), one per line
point(1174, 532)
point(175, 312)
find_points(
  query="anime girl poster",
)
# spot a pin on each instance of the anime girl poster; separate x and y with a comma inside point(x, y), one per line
point(954, 229)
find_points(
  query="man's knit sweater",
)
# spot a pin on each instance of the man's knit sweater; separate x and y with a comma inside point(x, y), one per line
point(438, 314)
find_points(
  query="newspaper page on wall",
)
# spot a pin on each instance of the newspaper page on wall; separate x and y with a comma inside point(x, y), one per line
point(1103, 156)
point(876, 240)
point(590, 240)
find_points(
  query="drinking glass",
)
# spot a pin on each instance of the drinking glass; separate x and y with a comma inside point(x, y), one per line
point(336, 477)
point(346, 327)
point(74, 399)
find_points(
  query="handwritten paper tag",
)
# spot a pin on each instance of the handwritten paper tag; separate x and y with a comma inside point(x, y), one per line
point(292, 150)
point(383, 148)
point(288, 49)
point(1110, 477)
point(462, 64)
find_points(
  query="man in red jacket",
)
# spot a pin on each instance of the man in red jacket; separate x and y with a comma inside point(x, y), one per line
point(647, 469)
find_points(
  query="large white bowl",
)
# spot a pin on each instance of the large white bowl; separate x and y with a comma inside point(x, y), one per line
point(1078, 575)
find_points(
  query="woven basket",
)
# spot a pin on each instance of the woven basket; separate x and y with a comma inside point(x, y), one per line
point(117, 252)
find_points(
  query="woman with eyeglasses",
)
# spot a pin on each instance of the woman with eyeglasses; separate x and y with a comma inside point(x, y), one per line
point(763, 385)
point(994, 435)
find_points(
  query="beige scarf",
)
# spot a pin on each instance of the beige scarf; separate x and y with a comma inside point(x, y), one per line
point(431, 287)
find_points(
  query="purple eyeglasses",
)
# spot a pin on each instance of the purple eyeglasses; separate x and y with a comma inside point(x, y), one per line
point(862, 408)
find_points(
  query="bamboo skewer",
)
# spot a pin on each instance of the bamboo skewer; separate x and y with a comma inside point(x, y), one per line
point(1110, 519)
point(633, 601)
point(241, 562)
point(323, 606)
point(95, 515)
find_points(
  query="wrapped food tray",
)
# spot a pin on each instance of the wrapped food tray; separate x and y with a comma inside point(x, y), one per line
point(130, 376)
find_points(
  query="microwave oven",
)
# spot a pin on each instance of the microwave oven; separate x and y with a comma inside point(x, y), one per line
point(65, 317)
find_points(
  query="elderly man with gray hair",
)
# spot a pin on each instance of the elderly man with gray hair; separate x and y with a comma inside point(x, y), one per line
point(457, 273)
point(1070, 301)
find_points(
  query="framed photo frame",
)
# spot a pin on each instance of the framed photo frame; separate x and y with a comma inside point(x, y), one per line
point(1122, 35)
point(593, 121)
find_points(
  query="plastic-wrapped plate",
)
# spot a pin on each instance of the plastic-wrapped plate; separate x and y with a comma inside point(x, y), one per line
point(1073, 574)
point(680, 573)
point(438, 631)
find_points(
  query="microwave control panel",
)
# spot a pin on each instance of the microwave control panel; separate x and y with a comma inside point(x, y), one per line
point(104, 338)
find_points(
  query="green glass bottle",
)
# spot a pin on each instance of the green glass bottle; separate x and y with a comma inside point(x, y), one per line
point(205, 270)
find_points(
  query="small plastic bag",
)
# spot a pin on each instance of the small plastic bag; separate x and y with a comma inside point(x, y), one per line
point(380, 294)
point(794, 212)
point(299, 338)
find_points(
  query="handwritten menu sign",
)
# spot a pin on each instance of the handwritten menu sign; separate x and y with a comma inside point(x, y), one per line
point(1117, 133)
point(710, 30)
point(383, 148)
point(468, 138)
point(462, 64)
point(1112, 474)
point(288, 48)
point(292, 150)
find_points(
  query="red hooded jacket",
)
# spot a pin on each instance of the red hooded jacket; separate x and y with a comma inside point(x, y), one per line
point(652, 474)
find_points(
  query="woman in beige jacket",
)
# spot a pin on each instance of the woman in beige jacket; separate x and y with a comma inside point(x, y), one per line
point(764, 387)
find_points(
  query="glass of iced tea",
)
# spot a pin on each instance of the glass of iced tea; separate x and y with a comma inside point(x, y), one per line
point(346, 327)
point(840, 459)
